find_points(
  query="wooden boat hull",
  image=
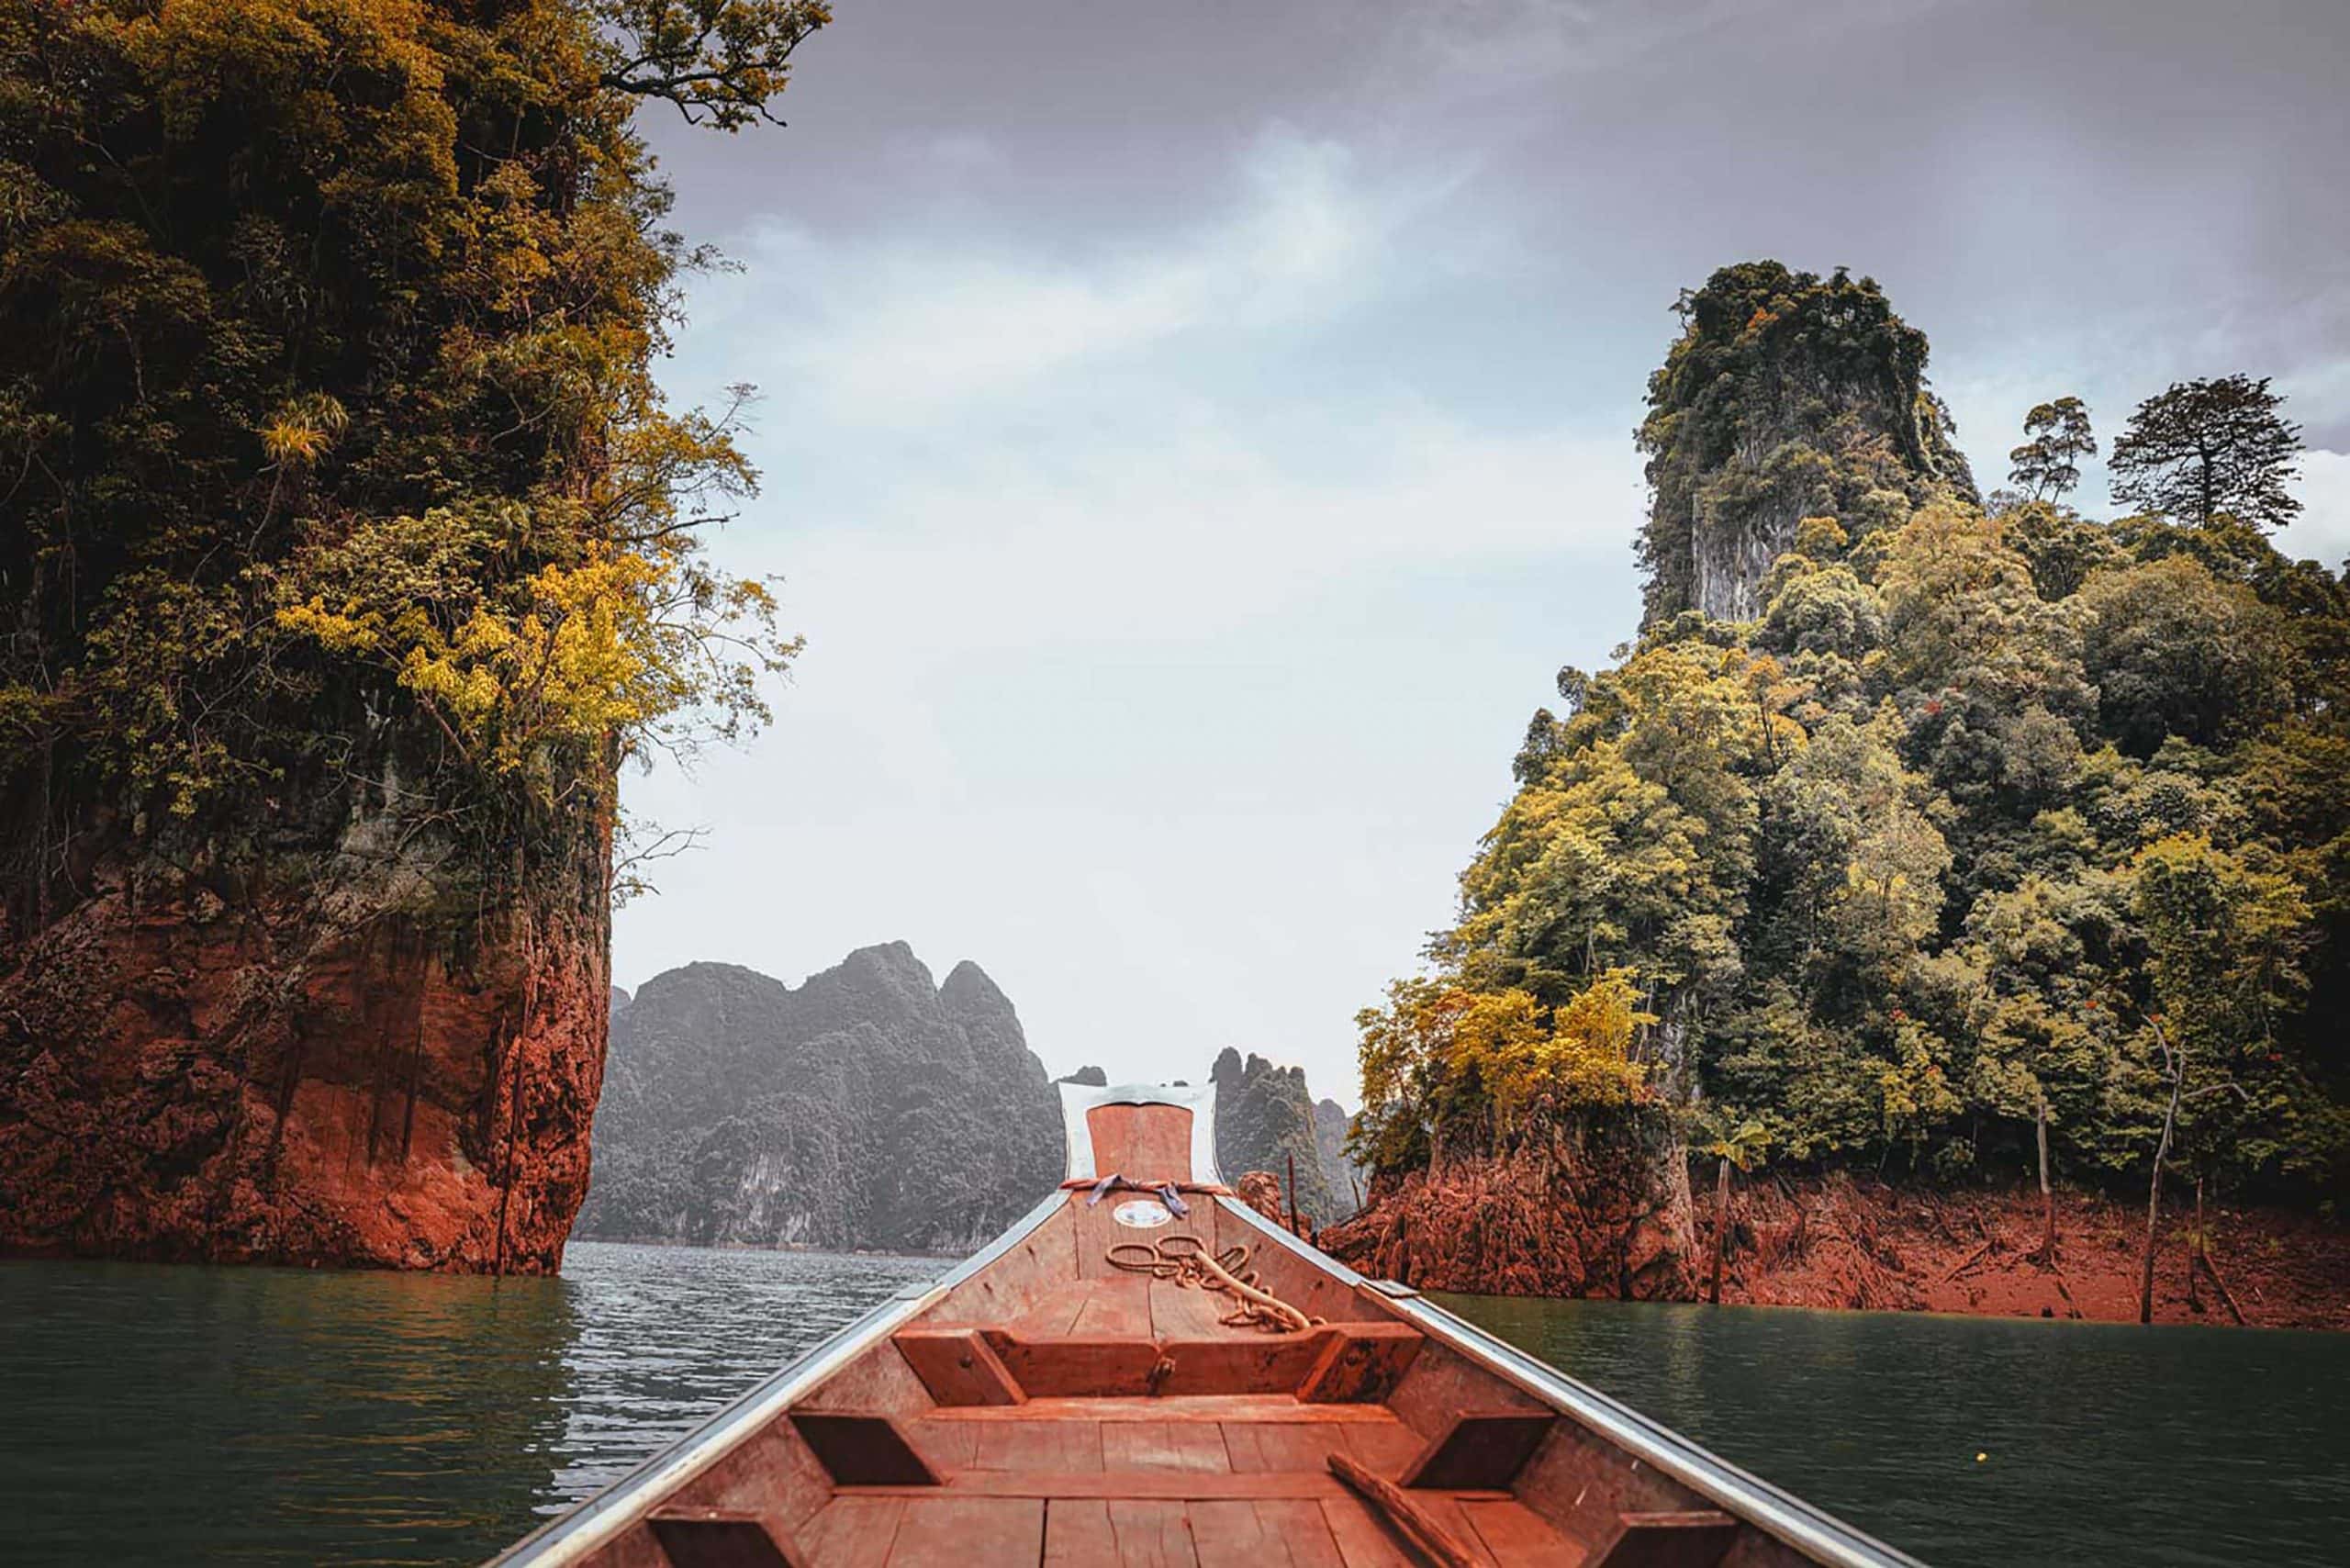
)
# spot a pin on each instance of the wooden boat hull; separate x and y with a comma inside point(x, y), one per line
point(1039, 1403)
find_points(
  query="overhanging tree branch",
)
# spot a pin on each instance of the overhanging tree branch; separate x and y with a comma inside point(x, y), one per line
point(722, 62)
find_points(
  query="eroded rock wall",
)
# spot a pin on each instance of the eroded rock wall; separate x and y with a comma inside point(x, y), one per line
point(1340, 1172)
point(1594, 1210)
point(1853, 1242)
point(303, 1060)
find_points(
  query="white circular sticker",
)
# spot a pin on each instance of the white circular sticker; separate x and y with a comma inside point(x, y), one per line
point(1143, 1214)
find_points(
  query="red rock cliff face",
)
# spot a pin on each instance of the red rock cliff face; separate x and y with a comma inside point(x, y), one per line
point(1592, 1211)
point(314, 1060)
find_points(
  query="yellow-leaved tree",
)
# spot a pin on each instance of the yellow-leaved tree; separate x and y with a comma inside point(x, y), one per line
point(1444, 1067)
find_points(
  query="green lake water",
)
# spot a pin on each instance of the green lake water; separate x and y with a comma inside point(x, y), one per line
point(2104, 1443)
point(166, 1415)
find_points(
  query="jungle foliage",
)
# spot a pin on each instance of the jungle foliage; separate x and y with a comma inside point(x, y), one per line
point(1978, 812)
point(333, 478)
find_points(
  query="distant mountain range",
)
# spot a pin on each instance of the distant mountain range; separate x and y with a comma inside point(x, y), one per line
point(870, 1107)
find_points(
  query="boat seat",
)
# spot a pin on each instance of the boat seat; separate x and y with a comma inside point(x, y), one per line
point(959, 1366)
point(721, 1538)
point(863, 1449)
point(1481, 1449)
point(1333, 1363)
point(1699, 1538)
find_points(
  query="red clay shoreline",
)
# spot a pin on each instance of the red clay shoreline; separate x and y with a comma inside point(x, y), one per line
point(1855, 1243)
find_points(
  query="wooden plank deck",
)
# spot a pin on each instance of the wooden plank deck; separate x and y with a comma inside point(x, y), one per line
point(1134, 1481)
point(1052, 1408)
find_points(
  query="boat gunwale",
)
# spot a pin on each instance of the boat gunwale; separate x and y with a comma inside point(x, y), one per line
point(1802, 1526)
point(610, 1511)
point(604, 1514)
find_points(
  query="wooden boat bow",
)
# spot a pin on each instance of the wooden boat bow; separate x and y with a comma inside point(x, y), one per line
point(1040, 1404)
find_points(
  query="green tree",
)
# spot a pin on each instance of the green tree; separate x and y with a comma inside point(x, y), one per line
point(721, 62)
point(1964, 620)
point(1864, 863)
point(2061, 547)
point(2227, 937)
point(1448, 1070)
point(2175, 652)
point(2204, 450)
point(2048, 464)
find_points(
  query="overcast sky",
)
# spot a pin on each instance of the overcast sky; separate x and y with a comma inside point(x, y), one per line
point(1195, 432)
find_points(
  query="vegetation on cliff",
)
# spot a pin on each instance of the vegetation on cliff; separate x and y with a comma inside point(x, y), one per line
point(1970, 820)
point(347, 548)
point(326, 336)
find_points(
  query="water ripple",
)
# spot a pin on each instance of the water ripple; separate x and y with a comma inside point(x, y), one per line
point(2104, 1443)
point(269, 1415)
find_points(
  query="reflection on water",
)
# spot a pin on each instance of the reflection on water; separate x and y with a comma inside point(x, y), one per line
point(2105, 1443)
point(170, 1414)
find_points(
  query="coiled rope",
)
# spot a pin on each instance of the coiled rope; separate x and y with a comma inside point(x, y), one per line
point(1186, 1261)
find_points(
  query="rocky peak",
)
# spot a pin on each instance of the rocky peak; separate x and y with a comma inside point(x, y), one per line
point(1264, 1119)
point(885, 979)
point(967, 989)
point(1786, 395)
point(1346, 1179)
point(864, 1108)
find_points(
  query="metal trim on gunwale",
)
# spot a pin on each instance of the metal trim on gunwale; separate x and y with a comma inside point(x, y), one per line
point(605, 1514)
point(1819, 1535)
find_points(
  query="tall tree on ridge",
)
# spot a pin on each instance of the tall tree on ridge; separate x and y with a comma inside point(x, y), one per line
point(2210, 449)
point(2048, 464)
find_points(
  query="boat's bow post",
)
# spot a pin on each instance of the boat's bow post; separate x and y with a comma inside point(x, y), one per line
point(1079, 1100)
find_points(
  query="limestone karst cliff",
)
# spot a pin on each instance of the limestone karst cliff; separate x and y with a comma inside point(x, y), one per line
point(1906, 839)
point(1264, 1120)
point(1344, 1177)
point(348, 549)
point(292, 1056)
point(867, 1107)
point(1787, 396)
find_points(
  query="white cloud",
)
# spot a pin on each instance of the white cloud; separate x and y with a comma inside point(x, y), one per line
point(905, 327)
point(2322, 531)
point(1206, 529)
